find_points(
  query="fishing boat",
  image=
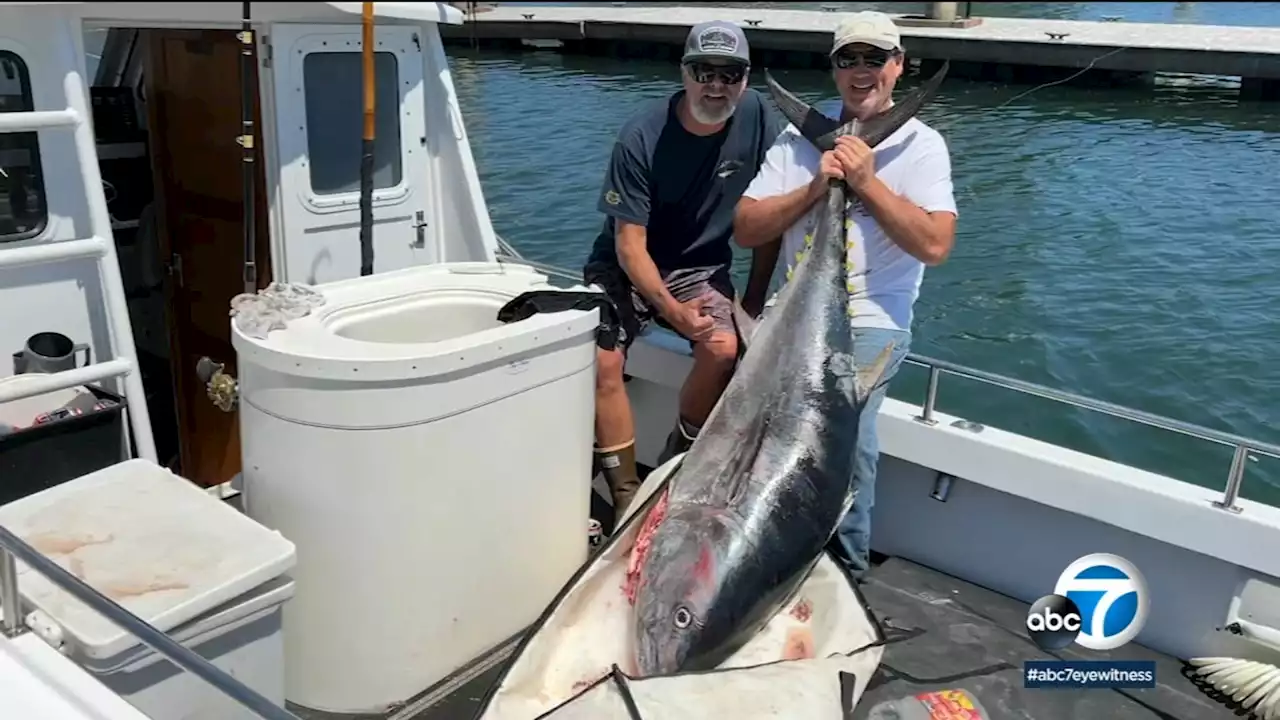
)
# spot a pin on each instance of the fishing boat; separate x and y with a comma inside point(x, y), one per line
point(364, 493)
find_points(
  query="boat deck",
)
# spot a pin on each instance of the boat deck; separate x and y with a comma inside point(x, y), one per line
point(942, 632)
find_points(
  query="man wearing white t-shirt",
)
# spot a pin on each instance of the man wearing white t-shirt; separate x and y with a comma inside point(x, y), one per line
point(903, 218)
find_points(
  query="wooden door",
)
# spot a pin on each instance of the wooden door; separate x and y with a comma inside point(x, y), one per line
point(194, 97)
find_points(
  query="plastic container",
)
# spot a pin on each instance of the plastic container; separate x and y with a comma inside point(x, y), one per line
point(432, 464)
point(36, 457)
point(172, 555)
point(951, 704)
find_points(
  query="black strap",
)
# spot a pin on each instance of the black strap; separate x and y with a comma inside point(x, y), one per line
point(530, 303)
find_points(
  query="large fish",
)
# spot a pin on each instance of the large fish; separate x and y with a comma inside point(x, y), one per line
point(762, 489)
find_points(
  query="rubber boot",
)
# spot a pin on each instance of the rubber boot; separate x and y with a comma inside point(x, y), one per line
point(680, 440)
point(619, 467)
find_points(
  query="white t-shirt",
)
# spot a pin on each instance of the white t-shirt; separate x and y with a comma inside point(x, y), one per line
point(884, 280)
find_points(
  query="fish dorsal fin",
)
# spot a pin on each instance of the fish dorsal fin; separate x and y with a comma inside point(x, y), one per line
point(822, 131)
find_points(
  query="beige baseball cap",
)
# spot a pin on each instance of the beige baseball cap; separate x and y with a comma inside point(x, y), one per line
point(869, 27)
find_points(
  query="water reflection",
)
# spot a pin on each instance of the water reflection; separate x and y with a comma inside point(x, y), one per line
point(1257, 14)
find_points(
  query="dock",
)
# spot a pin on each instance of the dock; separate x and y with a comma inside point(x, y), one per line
point(1010, 50)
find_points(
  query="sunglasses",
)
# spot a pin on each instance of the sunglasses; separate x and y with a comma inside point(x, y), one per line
point(706, 72)
point(872, 58)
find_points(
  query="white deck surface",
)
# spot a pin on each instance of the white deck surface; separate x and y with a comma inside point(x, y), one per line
point(39, 683)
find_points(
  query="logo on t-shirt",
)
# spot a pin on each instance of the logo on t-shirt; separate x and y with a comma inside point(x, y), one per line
point(727, 168)
point(612, 197)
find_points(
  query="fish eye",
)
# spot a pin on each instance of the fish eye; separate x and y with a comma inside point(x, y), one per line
point(683, 618)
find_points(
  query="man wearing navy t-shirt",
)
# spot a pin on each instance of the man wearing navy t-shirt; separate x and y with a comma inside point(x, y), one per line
point(677, 170)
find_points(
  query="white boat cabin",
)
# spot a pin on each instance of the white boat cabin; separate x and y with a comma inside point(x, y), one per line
point(166, 95)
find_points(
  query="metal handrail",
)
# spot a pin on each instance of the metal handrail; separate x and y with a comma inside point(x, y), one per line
point(1243, 446)
point(12, 546)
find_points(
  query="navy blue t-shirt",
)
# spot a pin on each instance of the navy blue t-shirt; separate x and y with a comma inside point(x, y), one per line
point(683, 187)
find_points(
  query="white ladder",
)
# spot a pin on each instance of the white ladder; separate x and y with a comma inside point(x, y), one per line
point(101, 247)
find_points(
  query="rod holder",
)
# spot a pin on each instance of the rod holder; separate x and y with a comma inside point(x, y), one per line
point(10, 604)
point(1235, 480)
point(930, 398)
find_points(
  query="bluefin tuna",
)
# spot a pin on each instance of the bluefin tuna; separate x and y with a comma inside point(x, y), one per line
point(761, 491)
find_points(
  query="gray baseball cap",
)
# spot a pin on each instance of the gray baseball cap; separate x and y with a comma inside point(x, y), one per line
point(716, 40)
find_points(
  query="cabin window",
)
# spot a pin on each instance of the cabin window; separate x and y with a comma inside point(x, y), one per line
point(335, 121)
point(23, 213)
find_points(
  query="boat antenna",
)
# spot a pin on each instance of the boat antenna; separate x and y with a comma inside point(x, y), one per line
point(247, 92)
point(366, 157)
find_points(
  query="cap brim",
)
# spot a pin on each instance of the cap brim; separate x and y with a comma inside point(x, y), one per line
point(691, 57)
point(874, 42)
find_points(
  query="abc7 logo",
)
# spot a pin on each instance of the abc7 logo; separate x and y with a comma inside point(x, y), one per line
point(1053, 622)
point(1117, 599)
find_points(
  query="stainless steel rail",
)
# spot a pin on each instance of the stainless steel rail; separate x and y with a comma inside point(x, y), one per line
point(12, 546)
point(1244, 447)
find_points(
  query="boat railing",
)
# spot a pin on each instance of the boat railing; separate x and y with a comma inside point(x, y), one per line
point(11, 547)
point(1244, 447)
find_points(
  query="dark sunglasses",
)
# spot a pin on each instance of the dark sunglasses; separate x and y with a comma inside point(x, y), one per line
point(872, 58)
point(705, 72)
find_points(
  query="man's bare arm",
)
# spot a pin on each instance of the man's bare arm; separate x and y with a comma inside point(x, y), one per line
point(926, 236)
point(764, 258)
point(757, 222)
point(631, 242)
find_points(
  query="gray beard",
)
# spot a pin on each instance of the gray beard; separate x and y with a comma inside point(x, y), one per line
point(706, 116)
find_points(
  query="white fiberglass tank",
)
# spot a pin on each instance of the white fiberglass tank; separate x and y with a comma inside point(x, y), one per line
point(431, 463)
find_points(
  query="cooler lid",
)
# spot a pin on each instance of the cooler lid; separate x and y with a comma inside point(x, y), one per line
point(153, 542)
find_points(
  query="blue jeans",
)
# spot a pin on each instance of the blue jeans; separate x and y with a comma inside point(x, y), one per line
point(854, 532)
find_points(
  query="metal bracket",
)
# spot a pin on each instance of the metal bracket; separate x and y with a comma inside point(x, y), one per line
point(221, 388)
point(942, 487)
point(420, 230)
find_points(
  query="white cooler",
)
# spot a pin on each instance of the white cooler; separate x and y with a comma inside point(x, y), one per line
point(178, 558)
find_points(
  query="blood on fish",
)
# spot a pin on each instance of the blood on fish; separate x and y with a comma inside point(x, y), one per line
point(799, 644)
point(802, 610)
point(641, 548)
point(704, 569)
point(588, 682)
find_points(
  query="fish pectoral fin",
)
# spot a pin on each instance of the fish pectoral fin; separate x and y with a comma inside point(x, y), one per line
point(746, 326)
point(868, 377)
point(813, 125)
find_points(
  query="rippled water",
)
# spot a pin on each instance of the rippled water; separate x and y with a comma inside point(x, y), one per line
point(1118, 245)
point(1194, 13)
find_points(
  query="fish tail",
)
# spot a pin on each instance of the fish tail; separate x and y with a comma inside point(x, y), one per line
point(877, 129)
point(822, 131)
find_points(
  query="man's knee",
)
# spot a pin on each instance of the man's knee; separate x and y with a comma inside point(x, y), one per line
point(609, 365)
point(719, 352)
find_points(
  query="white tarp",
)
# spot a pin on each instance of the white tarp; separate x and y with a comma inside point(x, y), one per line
point(813, 660)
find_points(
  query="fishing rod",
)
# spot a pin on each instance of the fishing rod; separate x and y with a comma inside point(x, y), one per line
point(366, 157)
point(247, 145)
